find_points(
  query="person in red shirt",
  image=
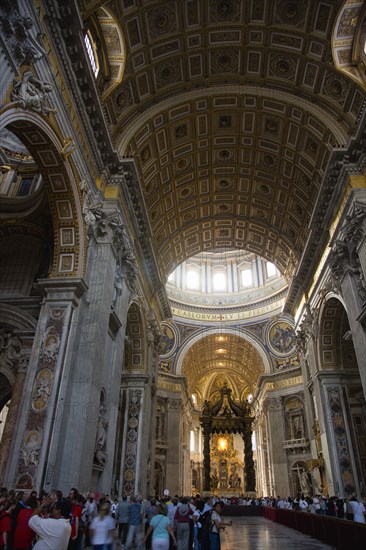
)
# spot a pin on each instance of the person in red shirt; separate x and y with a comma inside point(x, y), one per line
point(5, 525)
point(24, 535)
point(76, 511)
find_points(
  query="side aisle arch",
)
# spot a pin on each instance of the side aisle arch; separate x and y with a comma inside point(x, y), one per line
point(62, 191)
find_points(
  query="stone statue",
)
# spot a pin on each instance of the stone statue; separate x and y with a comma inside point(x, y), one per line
point(234, 479)
point(223, 478)
point(206, 407)
point(25, 47)
point(101, 438)
point(31, 93)
point(118, 284)
point(10, 347)
point(304, 482)
point(214, 479)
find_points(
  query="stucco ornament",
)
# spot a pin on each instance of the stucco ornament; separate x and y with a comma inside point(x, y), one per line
point(31, 93)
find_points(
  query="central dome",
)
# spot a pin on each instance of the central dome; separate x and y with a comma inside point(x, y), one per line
point(227, 282)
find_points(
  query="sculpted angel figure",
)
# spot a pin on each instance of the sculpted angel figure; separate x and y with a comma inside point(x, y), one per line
point(31, 93)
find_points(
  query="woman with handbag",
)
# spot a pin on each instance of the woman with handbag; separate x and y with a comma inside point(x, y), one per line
point(161, 529)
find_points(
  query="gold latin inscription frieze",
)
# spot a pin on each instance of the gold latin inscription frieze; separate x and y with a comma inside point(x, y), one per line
point(284, 383)
point(170, 386)
point(235, 316)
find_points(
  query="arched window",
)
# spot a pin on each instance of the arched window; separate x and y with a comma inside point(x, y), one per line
point(91, 48)
point(193, 279)
point(271, 269)
point(247, 277)
point(219, 281)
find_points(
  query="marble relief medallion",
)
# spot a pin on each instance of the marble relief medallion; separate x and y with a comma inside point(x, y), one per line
point(30, 450)
point(41, 389)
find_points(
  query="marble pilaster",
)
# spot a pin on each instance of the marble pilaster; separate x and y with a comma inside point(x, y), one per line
point(90, 379)
point(174, 459)
point(43, 379)
point(276, 437)
point(132, 453)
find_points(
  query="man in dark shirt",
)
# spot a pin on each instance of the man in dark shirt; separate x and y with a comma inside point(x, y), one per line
point(123, 518)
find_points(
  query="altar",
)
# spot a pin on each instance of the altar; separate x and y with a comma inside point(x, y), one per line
point(227, 471)
point(223, 471)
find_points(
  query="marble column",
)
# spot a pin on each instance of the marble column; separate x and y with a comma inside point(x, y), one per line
point(173, 456)
point(248, 460)
point(13, 412)
point(186, 455)
point(206, 428)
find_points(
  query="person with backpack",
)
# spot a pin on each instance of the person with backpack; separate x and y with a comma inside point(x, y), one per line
point(182, 520)
point(197, 529)
point(206, 523)
point(216, 524)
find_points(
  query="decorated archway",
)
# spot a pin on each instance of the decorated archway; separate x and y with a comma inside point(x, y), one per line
point(51, 153)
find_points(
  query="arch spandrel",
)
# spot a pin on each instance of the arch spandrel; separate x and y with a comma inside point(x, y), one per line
point(69, 259)
point(336, 348)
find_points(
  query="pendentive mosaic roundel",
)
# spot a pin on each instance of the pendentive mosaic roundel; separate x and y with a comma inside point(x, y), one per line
point(169, 339)
point(281, 338)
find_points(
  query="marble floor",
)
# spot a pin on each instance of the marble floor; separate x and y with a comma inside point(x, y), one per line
point(256, 533)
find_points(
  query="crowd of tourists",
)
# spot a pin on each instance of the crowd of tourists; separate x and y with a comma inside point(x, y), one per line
point(78, 522)
point(342, 508)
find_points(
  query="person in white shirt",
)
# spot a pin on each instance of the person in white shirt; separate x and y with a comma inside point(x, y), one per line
point(358, 510)
point(102, 529)
point(172, 508)
point(91, 508)
point(54, 531)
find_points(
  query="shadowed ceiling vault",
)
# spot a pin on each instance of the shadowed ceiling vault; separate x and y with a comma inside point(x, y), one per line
point(231, 109)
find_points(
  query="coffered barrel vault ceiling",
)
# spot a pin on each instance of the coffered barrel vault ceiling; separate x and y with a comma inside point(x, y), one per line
point(225, 356)
point(231, 109)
